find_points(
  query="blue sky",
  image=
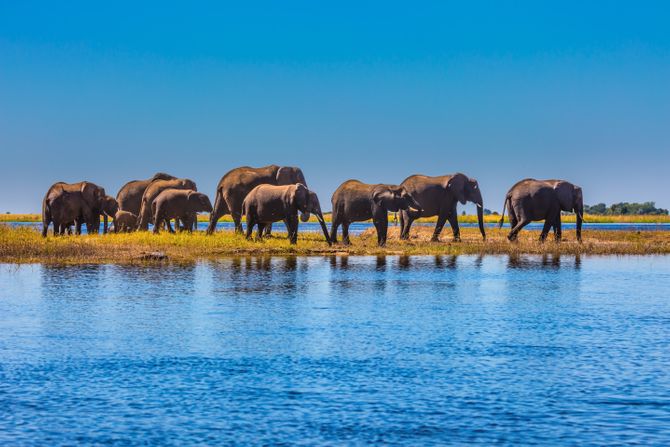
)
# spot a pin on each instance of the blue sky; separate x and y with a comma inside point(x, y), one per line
point(376, 91)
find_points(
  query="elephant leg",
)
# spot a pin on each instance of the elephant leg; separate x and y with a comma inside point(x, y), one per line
point(77, 226)
point(558, 234)
point(250, 226)
point(548, 222)
point(292, 225)
point(453, 222)
point(345, 233)
point(515, 230)
point(104, 231)
point(334, 223)
point(441, 220)
point(259, 233)
point(381, 233)
point(158, 221)
point(268, 229)
point(408, 219)
point(237, 218)
point(381, 225)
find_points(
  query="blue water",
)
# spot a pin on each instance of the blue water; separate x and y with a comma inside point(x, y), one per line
point(337, 350)
point(359, 227)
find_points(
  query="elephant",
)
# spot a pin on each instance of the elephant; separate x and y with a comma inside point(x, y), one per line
point(178, 204)
point(266, 204)
point(124, 221)
point(354, 201)
point(439, 196)
point(91, 193)
point(237, 183)
point(153, 190)
point(532, 199)
point(67, 208)
point(109, 208)
point(130, 194)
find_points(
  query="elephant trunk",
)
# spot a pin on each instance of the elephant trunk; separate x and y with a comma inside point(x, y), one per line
point(480, 220)
point(324, 228)
point(579, 211)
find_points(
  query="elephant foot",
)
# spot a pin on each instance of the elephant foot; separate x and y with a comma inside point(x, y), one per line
point(456, 239)
point(435, 239)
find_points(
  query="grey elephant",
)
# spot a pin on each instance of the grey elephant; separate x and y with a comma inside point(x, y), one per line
point(439, 196)
point(67, 208)
point(153, 190)
point(178, 204)
point(237, 183)
point(354, 201)
point(266, 204)
point(108, 210)
point(92, 194)
point(130, 195)
point(124, 221)
point(531, 200)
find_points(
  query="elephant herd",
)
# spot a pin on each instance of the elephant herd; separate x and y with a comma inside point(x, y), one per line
point(272, 193)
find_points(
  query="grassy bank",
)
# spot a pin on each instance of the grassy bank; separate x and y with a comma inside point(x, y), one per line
point(24, 245)
point(491, 218)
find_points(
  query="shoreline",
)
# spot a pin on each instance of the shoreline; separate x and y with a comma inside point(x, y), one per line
point(25, 245)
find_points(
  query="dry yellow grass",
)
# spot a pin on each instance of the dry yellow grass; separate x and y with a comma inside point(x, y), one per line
point(491, 218)
point(25, 245)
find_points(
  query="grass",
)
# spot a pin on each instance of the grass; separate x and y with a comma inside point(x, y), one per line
point(491, 218)
point(25, 245)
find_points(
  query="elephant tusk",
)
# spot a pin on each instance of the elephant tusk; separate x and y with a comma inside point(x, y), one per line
point(478, 205)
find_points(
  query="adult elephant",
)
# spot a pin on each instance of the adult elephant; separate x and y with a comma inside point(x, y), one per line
point(178, 204)
point(156, 187)
point(130, 195)
point(68, 208)
point(237, 183)
point(531, 200)
point(92, 194)
point(266, 204)
point(354, 201)
point(439, 196)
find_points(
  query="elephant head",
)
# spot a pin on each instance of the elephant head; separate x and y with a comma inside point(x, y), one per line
point(394, 198)
point(465, 190)
point(110, 206)
point(571, 199)
point(313, 206)
point(198, 202)
point(290, 175)
point(94, 195)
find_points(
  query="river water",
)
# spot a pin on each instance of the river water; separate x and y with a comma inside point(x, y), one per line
point(338, 350)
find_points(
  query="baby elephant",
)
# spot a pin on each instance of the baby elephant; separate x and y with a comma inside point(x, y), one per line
point(532, 199)
point(124, 221)
point(179, 204)
point(266, 204)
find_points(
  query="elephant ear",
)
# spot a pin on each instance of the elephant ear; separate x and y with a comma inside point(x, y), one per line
point(289, 175)
point(90, 192)
point(385, 197)
point(301, 196)
point(565, 192)
point(313, 202)
point(456, 186)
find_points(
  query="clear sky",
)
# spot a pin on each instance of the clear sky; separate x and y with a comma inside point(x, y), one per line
point(114, 91)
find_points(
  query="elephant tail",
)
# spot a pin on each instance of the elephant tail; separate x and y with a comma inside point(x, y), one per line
point(502, 215)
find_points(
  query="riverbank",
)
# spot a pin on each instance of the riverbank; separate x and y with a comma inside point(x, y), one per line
point(25, 245)
point(468, 218)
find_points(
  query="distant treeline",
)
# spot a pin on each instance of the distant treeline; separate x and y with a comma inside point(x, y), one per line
point(625, 209)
